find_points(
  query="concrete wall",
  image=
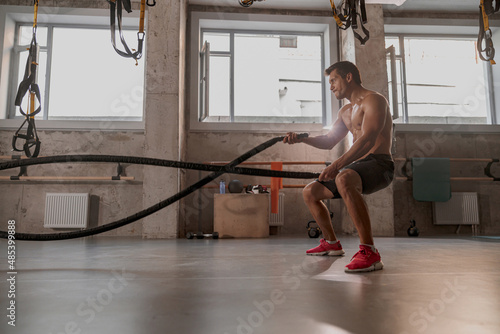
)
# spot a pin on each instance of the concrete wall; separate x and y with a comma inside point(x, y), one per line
point(452, 145)
point(164, 96)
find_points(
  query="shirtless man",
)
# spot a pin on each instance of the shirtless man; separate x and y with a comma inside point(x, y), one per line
point(364, 169)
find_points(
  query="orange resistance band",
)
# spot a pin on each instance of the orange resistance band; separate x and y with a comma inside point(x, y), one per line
point(276, 185)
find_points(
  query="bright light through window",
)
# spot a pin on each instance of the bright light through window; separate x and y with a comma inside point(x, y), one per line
point(441, 81)
point(445, 79)
point(272, 82)
point(88, 80)
point(89, 84)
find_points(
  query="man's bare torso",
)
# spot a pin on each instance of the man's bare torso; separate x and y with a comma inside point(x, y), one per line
point(353, 115)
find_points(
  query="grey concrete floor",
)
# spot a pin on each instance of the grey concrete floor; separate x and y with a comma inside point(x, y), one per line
point(125, 285)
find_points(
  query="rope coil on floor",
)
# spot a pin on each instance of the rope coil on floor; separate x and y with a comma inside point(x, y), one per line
point(216, 172)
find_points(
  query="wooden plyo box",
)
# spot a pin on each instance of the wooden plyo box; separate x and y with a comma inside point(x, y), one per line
point(241, 215)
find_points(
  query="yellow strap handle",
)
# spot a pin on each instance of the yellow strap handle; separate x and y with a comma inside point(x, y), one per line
point(485, 17)
point(335, 16)
point(486, 23)
point(31, 105)
point(143, 10)
point(35, 20)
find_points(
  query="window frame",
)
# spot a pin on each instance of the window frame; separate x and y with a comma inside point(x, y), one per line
point(205, 113)
point(440, 27)
point(81, 18)
point(268, 23)
point(401, 55)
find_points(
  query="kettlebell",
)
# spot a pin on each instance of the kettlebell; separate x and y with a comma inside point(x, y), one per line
point(413, 230)
point(313, 232)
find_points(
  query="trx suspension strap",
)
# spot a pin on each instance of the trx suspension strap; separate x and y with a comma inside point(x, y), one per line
point(346, 16)
point(117, 6)
point(486, 9)
point(29, 83)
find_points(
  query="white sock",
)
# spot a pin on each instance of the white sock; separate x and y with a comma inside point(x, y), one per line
point(332, 242)
point(371, 246)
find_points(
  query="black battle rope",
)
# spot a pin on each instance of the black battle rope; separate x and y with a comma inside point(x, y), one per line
point(154, 162)
point(146, 212)
point(347, 16)
point(29, 84)
point(117, 6)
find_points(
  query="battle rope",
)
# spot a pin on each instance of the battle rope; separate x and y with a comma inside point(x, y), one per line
point(485, 35)
point(154, 162)
point(347, 16)
point(29, 83)
point(117, 6)
point(146, 212)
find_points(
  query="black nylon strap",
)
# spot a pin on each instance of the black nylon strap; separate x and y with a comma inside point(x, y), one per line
point(362, 7)
point(28, 84)
point(127, 6)
point(350, 18)
point(362, 40)
point(117, 7)
point(354, 16)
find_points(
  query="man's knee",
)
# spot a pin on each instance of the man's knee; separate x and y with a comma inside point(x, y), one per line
point(347, 180)
point(312, 192)
point(307, 193)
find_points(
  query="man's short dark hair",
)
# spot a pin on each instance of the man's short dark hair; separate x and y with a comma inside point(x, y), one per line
point(343, 68)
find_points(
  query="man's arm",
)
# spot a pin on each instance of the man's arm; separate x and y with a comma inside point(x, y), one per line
point(324, 142)
point(375, 108)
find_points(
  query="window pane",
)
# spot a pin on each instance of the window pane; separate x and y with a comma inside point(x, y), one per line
point(274, 84)
point(218, 41)
point(393, 41)
point(89, 84)
point(445, 82)
point(41, 71)
point(26, 34)
point(219, 88)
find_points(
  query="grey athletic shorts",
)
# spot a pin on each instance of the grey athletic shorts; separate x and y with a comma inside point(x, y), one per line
point(376, 171)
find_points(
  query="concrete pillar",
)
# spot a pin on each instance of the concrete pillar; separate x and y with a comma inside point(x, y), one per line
point(164, 96)
point(371, 61)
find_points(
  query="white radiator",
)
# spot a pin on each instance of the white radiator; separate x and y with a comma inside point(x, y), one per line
point(277, 219)
point(66, 210)
point(461, 209)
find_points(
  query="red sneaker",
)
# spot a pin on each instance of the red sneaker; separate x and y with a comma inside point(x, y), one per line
point(325, 248)
point(365, 260)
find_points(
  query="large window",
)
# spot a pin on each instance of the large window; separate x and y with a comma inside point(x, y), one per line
point(438, 80)
point(262, 77)
point(261, 72)
point(79, 74)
